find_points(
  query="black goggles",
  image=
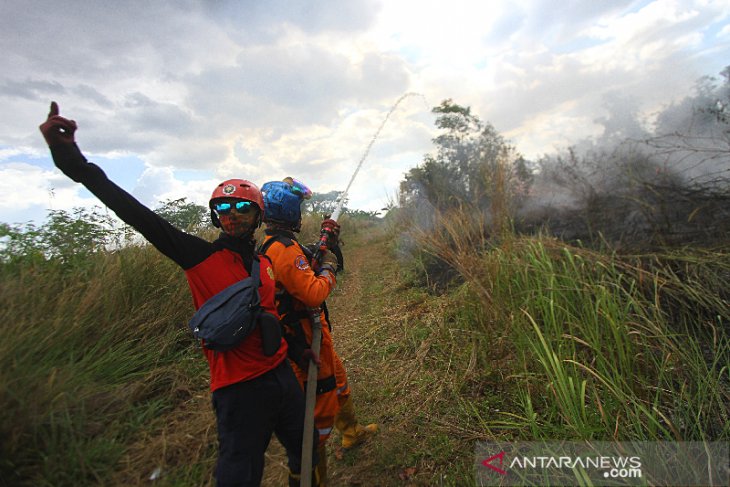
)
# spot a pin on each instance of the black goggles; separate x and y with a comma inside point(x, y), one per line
point(239, 206)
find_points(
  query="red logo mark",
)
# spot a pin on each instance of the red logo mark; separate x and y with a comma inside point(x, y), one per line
point(488, 463)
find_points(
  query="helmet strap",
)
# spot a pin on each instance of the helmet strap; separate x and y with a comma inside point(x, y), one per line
point(214, 219)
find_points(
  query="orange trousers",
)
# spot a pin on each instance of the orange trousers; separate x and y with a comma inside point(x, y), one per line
point(332, 375)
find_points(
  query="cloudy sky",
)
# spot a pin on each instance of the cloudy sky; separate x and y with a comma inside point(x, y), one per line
point(172, 97)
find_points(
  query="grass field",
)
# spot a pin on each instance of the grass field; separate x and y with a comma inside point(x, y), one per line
point(448, 339)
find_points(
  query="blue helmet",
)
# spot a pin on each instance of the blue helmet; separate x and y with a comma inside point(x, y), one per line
point(283, 200)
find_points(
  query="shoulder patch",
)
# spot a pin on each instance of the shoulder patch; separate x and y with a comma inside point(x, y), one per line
point(301, 263)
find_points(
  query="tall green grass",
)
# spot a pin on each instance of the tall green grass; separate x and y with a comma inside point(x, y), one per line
point(593, 345)
point(95, 351)
point(90, 355)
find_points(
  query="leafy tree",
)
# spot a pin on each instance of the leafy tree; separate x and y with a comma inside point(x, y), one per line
point(469, 161)
point(184, 214)
point(322, 203)
point(68, 237)
point(362, 215)
point(82, 231)
point(20, 243)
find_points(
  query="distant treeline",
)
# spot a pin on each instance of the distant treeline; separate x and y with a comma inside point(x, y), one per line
point(69, 237)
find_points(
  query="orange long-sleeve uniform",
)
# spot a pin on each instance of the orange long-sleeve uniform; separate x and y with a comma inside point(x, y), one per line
point(298, 287)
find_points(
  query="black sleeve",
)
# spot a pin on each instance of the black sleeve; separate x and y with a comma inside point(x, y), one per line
point(185, 249)
point(295, 349)
point(340, 258)
point(311, 249)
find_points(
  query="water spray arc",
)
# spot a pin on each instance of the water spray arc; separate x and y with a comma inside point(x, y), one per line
point(343, 196)
point(314, 313)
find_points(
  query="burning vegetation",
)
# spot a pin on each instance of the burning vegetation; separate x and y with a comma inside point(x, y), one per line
point(635, 189)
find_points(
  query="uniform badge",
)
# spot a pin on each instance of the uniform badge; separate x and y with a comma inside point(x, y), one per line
point(301, 263)
point(229, 189)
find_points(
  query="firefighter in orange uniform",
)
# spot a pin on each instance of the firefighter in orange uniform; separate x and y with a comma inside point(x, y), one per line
point(300, 287)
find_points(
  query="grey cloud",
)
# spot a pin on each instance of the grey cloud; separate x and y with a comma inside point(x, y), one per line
point(287, 76)
point(382, 74)
point(280, 86)
point(108, 135)
point(336, 15)
point(264, 21)
point(562, 78)
point(667, 32)
point(139, 124)
point(108, 43)
point(554, 22)
point(30, 89)
point(147, 115)
point(553, 87)
point(94, 40)
point(506, 25)
point(409, 138)
point(190, 153)
point(576, 13)
point(90, 93)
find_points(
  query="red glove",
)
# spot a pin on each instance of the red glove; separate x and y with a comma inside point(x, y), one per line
point(332, 229)
point(56, 129)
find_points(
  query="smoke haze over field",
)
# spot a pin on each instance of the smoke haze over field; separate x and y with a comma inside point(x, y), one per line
point(172, 97)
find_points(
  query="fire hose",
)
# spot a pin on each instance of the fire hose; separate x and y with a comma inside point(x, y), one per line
point(315, 315)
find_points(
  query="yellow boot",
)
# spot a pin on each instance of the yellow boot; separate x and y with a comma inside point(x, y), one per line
point(346, 423)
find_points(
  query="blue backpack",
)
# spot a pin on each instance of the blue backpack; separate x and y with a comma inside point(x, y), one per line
point(228, 317)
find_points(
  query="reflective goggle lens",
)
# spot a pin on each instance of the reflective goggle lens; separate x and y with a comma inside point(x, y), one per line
point(299, 188)
point(240, 206)
point(223, 208)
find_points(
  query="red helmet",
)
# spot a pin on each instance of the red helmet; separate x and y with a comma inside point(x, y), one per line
point(238, 188)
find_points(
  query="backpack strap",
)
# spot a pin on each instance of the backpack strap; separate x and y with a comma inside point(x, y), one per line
point(285, 299)
point(256, 270)
point(284, 240)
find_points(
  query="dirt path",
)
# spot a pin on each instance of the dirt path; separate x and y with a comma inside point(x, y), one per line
point(357, 313)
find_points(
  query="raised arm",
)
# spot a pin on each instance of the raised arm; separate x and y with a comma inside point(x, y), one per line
point(186, 250)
